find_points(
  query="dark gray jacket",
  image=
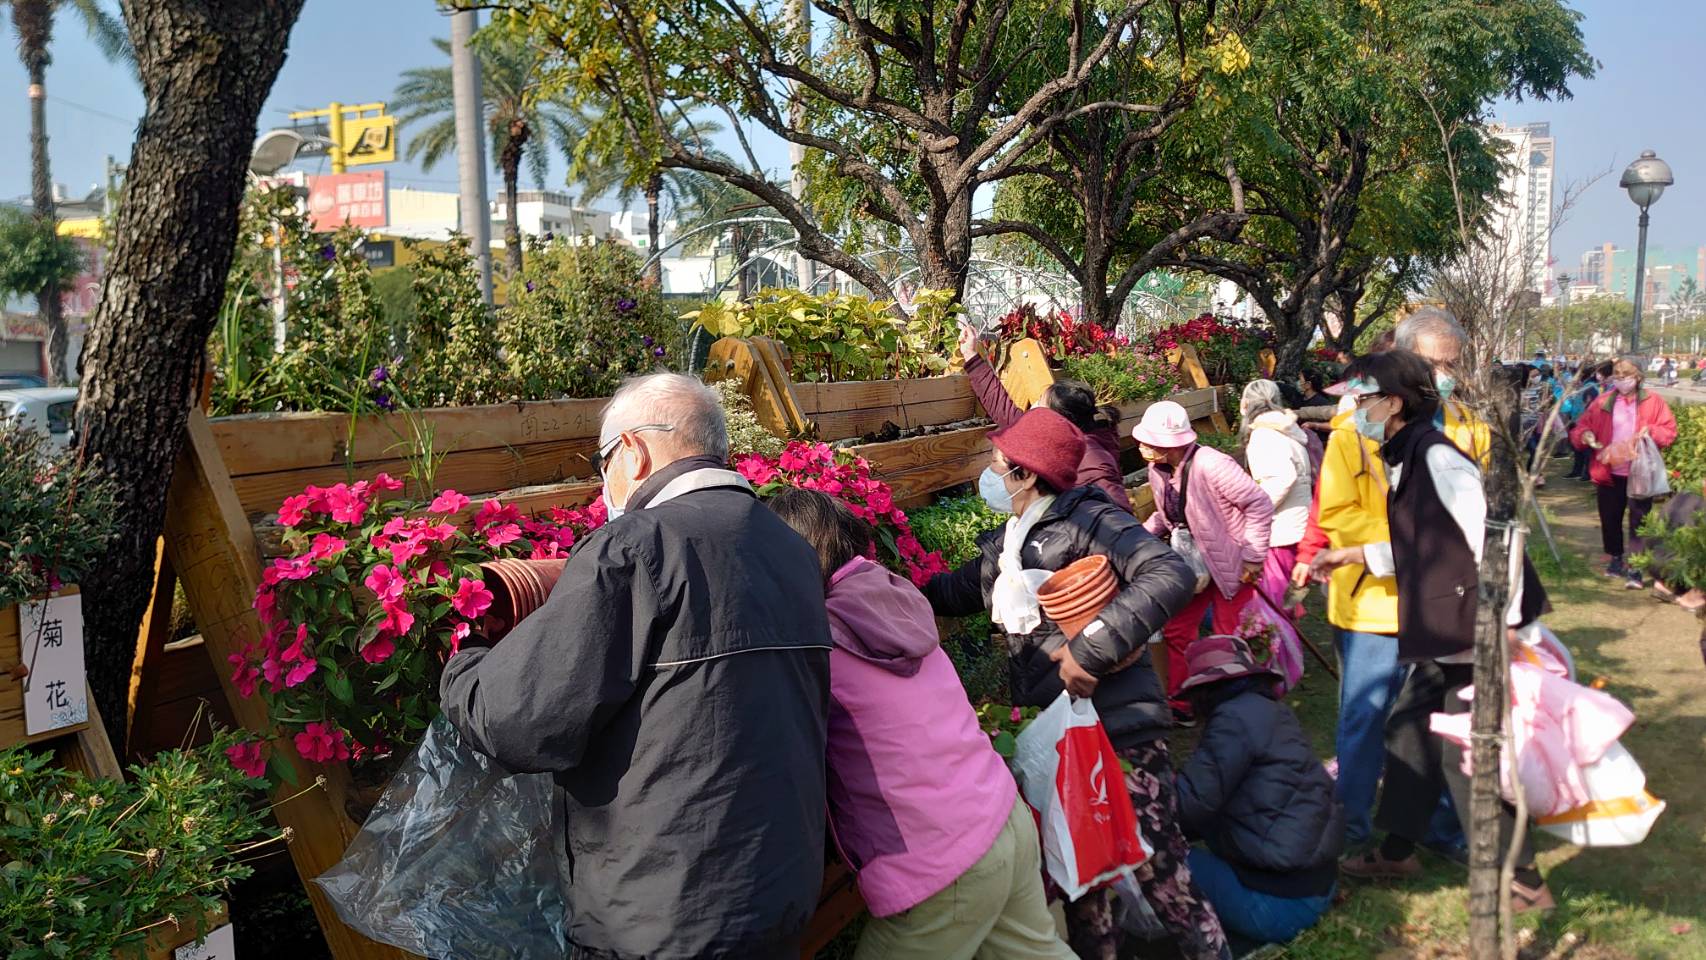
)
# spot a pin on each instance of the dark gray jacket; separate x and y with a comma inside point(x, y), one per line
point(1258, 795)
point(1155, 583)
point(676, 683)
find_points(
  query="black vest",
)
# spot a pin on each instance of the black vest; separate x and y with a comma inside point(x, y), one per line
point(1434, 565)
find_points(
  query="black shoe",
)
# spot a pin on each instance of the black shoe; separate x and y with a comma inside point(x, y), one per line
point(1616, 570)
point(1634, 582)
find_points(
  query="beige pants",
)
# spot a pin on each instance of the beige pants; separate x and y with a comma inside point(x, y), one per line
point(994, 911)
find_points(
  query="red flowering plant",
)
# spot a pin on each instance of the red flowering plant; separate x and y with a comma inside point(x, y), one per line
point(1230, 349)
point(1059, 333)
point(372, 595)
point(817, 466)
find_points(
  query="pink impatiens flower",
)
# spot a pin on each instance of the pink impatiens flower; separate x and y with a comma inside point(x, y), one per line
point(386, 583)
point(301, 672)
point(448, 502)
point(294, 510)
point(472, 598)
point(245, 676)
point(326, 547)
point(248, 758)
point(379, 649)
point(458, 634)
point(347, 504)
point(502, 534)
point(322, 743)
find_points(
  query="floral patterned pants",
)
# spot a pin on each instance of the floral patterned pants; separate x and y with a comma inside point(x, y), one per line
point(1178, 903)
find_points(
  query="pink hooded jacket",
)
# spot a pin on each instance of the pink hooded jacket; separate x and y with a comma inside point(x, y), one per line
point(916, 793)
point(1229, 516)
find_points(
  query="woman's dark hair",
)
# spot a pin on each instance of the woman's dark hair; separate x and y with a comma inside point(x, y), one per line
point(1404, 375)
point(825, 522)
point(1076, 401)
point(1603, 369)
point(1316, 377)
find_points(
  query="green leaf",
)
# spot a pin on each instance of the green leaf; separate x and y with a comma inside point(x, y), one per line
point(16, 816)
point(387, 683)
point(281, 769)
point(339, 686)
point(1004, 744)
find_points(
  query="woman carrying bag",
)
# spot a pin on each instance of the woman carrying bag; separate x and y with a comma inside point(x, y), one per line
point(1031, 475)
point(1614, 428)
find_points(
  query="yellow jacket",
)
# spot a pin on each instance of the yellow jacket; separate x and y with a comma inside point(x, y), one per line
point(1353, 512)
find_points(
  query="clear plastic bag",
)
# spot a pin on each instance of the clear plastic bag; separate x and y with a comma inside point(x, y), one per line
point(460, 858)
point(1647, 477)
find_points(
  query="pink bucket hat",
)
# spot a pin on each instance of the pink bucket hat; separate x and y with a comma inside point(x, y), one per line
point(1165, 424)
point(1219, 657)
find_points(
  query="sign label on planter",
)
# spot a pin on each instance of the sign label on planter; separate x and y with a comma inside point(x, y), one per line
point(221, 944)
point(56, 692)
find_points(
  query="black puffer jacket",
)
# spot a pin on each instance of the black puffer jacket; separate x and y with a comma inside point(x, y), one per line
point(1154, 584)
point(1258, 795)
point(676, 684)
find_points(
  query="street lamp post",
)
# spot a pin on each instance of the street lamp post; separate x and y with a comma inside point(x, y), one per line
point(1646, 180)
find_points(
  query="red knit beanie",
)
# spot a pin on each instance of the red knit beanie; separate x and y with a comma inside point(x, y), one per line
point(1046, 444)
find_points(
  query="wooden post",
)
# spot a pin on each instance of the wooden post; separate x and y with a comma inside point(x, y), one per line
point(1026, 375)
point(151, 639)
point(213, 549)
point(761, 364)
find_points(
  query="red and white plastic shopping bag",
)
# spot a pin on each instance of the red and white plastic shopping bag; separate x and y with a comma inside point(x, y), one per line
point(1070, 776)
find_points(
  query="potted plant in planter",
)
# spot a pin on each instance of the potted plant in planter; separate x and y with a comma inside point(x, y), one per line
point(56, 517)
point(105, 868)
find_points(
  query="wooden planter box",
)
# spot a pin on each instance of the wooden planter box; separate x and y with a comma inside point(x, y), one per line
point(163, 941)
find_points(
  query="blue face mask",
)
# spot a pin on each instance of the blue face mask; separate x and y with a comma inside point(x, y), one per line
point(993, 491)
point(1445, 384)
point(1368, 428)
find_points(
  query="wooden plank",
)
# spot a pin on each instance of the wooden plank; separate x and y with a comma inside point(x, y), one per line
point(816, 398)
point(1200, 404)
point(88, 751)
point(271, 442)
point(919, 465)
point(213, 550)
point(12, 680)
point(185, 696)
point(151, 639)
point(1026, 375)
point(839, 903)
point(847, 424)
point(531, 500)
point(472, 472)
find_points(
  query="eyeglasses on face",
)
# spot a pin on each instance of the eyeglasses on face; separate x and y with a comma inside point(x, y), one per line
point(605, 452)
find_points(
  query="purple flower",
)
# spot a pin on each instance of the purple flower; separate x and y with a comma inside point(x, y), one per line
point(549, 236)
point(384, 402)
point(648, 340)
point(658, 352)
point(328, 252)
point(529, 286)
point(624, 305)
point(379, 374)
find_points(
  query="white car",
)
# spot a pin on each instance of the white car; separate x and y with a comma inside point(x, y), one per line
point(49, 410)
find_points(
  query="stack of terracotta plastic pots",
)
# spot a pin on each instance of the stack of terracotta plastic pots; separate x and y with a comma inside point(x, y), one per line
point(518, 587)
point(1076, 593)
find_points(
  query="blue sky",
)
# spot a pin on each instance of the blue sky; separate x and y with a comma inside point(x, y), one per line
point(1649, 94)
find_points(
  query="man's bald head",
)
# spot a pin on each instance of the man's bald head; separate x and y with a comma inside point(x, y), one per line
point(686, 406)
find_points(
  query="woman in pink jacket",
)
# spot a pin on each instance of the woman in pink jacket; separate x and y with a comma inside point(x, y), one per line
point(921, 807)
point(1625, 412)
point(1204, 496)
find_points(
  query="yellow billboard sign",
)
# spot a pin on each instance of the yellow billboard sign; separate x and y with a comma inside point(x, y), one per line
point(369, 140)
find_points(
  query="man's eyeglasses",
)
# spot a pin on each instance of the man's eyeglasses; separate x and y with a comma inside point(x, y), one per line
point(604, 453)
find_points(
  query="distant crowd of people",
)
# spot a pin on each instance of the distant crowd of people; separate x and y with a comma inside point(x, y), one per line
point(725, 689)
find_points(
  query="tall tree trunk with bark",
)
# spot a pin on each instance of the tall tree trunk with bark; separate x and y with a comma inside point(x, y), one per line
point(509, 161)
point(1492, 657)
point(654, 196)
point(33, 21)
point(206, 68)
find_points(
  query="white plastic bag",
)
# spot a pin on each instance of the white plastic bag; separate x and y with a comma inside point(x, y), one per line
point(1069, 774)
point(458, 859)
point(1647, 475)
point(1621, 812)
point(1186, 547)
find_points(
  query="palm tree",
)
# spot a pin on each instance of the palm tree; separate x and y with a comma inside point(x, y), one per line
point(524, 118)
point(32, 20)
point(679, 189)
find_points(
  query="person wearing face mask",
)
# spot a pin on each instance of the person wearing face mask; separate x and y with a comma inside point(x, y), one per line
point(1610, 427)
point(1204, 497)
point(1589, 378)
point(676, 686)
point(1032, 475)
point(1437, 524)
point(1100, 463)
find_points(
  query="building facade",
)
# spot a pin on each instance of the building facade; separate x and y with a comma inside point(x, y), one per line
point(1524, 219)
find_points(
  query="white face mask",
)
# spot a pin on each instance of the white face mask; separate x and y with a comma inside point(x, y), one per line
point(992, 488)
point(612, 511)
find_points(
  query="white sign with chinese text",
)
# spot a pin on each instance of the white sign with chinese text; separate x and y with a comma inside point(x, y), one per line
point(221, 944)
point(56, 692)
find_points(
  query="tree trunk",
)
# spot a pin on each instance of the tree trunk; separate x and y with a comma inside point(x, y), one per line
point(654, 193)
point(206, 68)
point(510, 162)
point(1486, 891)
point(742, 243)
point(33, 20)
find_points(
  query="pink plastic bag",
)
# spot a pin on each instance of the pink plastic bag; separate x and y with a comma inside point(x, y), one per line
point(1071, 778)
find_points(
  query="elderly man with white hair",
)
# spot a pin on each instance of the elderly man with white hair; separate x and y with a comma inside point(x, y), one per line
point(676, 685)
